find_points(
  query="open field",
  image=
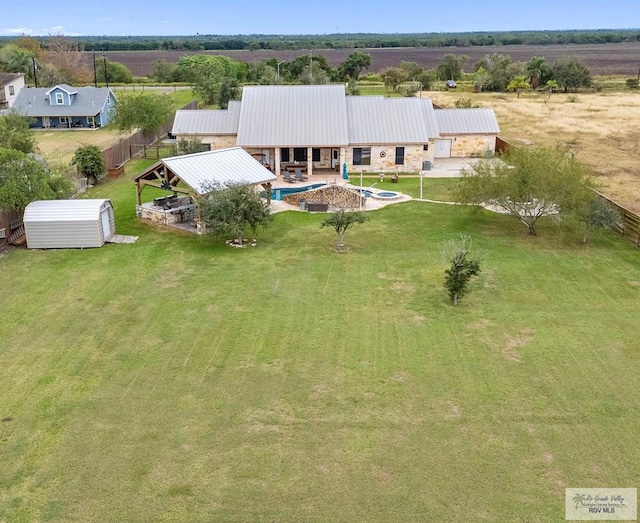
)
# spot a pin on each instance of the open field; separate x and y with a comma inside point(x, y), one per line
point(602, 59)
point(176, 379)
point(600, 128)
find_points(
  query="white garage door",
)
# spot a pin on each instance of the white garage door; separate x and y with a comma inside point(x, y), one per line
point(443, 149)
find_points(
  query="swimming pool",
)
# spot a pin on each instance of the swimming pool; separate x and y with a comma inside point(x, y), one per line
point(280, 192)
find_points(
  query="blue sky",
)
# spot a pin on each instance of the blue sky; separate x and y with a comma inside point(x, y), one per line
point(143, 17)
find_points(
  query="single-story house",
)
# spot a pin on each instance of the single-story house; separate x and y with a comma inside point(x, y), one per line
point(63, 224)
point(192, 175)
point(322, 128)
point(10, 86)
point(65, 107)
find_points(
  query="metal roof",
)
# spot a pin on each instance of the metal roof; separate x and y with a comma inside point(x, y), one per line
point(207, 121)
point(34, 102)
point(64, 210)
point(205, 171)
point(467, 121)
point(293, 115)
point(379, 120)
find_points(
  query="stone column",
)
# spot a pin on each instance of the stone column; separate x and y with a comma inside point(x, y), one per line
point(309, 161)
point(278, 162)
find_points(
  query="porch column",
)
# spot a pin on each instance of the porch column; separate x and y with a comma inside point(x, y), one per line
point(278, 162)
point(309, 161)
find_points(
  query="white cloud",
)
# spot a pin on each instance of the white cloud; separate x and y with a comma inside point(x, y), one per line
point(13, 31)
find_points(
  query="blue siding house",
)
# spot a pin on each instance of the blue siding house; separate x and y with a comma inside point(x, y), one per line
point(66, 107)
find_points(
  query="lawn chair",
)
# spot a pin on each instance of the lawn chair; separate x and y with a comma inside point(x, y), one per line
point(299, 176)
point(287, 177)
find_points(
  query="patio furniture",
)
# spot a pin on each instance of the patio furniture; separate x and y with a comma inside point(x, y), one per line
point(299, 176)
point(317, 207)
point(287, 177)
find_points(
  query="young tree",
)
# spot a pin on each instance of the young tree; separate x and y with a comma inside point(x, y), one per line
point(23, 179)
point(116, 73)
point(341, 222)
point(233, 209)
point(538, 71)
point(90, 162)
point(518, 83)
point(229, 90)
point(144, 111)
point(528, 183)
point(191, 145)
point(450, 68)
point(598, 214)
point(461, 270)
point(15, 133)
point(392, 78)
point(163, 71)
point(354, 64)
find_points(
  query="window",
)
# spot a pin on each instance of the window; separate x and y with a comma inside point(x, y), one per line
point(59, 98)
point(300, 154)
point(284, 155)
point(399, 155)
point(12, 90)
point(64, 120)
point(425, 147)
point(362, 156)
point(315, 155)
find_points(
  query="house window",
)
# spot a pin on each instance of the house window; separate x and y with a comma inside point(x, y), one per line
point(399, 155)
point(12, 90)
point(64, 120)
point(284, 155)
point(425, 147)
point(300, 154)
point(315, 155)
point(362, 156)
point(59, 98)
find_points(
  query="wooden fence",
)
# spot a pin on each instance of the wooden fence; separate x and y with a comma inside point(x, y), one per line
point(9, 222)
point(118, 154)
point(629, 225)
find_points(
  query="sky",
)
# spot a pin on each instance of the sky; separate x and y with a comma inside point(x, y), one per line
point(292, 17)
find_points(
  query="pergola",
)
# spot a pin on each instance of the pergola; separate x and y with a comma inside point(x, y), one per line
point(198, 174)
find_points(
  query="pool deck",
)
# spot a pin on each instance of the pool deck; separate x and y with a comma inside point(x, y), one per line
point(442, 168)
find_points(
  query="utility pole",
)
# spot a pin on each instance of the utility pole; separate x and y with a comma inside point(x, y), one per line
point(95, 72)
point(311, 65)
point(106, 75)
point(35, 72)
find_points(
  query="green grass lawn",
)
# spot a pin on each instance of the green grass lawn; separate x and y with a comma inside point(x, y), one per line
point(177, 379)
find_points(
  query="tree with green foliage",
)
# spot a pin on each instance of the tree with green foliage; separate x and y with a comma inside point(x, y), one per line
point(495, 72)
point(598, 214)
point(462, 268)
point(517, 83)
point(571, 73)
point(353, 66)
point(229, 90)
point(538, 71)
point(191, 145)
point(427, 79)
point(117, 73)
point(207, 73)
point(233, 209)
point(90, 162)
point(392, 77)
point(23, 179)
point(163, 71)
point(341, 221)
point(528, 184)
point(295, 70)
point(451, 66)
point(145, 111)
point(15, 133)
point(411, 69)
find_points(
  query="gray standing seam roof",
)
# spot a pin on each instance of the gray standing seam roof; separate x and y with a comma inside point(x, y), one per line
point(189, 121)
point(379, 120)
point(300, 115)
point(467, 121)
point(34, 102)
point(202, 172)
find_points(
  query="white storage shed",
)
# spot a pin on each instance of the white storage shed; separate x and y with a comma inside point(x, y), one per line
point(62, 224)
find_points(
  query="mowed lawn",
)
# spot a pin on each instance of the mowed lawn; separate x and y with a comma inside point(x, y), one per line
point(177, 379)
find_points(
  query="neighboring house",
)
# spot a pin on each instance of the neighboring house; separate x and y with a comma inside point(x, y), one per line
point(10, 86)
point(65, 107)
point(323, 128)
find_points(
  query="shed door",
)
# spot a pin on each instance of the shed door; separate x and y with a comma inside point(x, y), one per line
point(106, 223)
point(443, 149)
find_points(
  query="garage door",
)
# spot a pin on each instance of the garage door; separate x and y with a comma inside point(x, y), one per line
point(443, 149)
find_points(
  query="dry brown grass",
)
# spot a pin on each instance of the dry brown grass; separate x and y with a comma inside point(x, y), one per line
point(60, 145)
point(600, 128)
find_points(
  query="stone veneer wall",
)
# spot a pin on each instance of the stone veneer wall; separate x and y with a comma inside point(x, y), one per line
point(470, 145)
point(221, 141)
point(414, 155)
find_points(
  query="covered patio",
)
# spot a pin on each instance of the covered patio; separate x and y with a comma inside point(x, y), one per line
point(188, 177)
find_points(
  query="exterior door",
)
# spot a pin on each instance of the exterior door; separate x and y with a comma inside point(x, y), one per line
point(335, 158)
point(443, 149)
point(106, 223)
point(265, 157)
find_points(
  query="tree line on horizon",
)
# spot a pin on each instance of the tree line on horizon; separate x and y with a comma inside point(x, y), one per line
point(255, 42)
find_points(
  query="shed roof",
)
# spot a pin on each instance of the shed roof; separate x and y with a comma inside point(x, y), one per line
point(207, 122)
point(6, 78)
point(64, 210)
point(293, 115)
point(222, 167)
point(379, 120)
point(89, 101)
point(467, 121)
